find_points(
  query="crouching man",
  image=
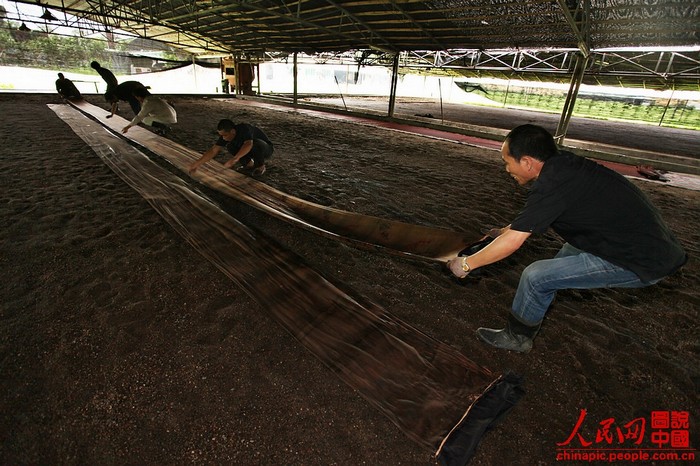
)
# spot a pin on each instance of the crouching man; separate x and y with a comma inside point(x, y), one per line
point(247, 143)
point(614, 236)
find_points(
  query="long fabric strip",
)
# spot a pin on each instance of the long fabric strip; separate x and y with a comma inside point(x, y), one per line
point(431, 391)
point(417, 241)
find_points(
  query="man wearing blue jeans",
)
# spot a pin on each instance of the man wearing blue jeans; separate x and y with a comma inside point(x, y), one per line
point(614, 236)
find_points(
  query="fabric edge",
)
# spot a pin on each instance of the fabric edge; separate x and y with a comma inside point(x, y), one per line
point(459, 445)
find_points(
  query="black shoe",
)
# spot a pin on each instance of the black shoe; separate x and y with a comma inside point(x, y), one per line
point(516, 336)
point(160, 129)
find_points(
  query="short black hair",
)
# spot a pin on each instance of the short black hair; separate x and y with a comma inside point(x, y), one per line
point(225, 125)
point(60, 75)
point(94, 65)
point(531, 140)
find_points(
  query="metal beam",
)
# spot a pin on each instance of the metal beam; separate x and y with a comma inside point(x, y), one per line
point(580, 17)
point(568, 110)
point(291, 19)
point(361, 23)
point(418, 26)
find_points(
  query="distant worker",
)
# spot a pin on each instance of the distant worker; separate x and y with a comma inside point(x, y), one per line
point(107, 75)
point(66, 88)
point(124, 91)
point(248, 144)
point(155, 112)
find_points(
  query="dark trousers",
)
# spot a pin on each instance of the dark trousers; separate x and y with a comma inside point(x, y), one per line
point(135, 104)
point(260, 152)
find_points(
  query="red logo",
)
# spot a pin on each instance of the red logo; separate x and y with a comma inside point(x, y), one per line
point(664, 436)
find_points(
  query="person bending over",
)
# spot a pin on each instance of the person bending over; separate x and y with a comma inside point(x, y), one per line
point(66, 88)
point(106, 74)
point(124, 91)
point(614, 236)
point(247, 143)
point(155, 112)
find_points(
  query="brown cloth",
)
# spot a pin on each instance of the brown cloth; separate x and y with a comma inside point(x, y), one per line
point(434, 393)
point(365, 231)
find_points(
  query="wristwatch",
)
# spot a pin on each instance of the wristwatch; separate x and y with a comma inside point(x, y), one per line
point(465, 266)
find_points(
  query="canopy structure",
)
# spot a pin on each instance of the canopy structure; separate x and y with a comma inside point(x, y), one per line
point(482, 37)
point(647, 43)
point(314, 26)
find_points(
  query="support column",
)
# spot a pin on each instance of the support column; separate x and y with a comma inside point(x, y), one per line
point(295, 74)
point(394, 84)
point(237, 67)
point(194, 71)
point(576, 79)
point(257, 70)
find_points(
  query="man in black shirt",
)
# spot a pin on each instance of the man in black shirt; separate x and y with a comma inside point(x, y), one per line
point(614, 236)
point(247, 143)
point(106, 74)
point(125, 91)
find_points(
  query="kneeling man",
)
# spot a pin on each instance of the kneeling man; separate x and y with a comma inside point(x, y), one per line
point(247, 143)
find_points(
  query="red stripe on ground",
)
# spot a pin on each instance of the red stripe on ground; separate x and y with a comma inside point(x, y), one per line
point(676, 179)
